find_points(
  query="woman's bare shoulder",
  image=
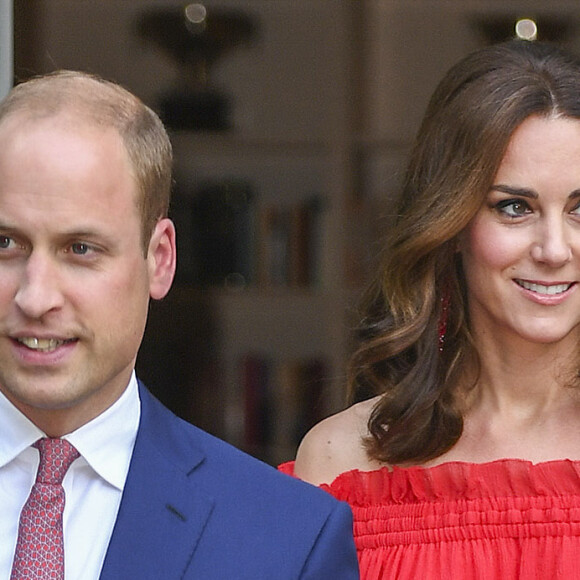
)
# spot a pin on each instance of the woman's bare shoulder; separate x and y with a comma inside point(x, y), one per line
point(335, 445)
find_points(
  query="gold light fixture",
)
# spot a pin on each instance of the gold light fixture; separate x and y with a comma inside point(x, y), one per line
point(498, 28)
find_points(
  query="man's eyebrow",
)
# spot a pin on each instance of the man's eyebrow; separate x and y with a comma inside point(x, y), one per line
point(81, 233)
point(8, 228)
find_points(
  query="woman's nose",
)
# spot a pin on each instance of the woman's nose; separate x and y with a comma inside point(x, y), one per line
point(552, 246)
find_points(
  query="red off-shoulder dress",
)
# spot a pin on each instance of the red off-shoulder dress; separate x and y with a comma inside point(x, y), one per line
point(501, 520)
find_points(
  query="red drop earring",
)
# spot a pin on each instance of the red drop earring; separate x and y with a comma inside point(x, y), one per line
point(444, 316)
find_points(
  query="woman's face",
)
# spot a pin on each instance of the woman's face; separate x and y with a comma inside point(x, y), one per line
point(521, 251)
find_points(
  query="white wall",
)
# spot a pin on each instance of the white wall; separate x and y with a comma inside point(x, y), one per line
point(6, 47)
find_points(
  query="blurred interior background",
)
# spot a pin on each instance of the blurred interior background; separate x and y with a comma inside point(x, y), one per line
point(291, 121)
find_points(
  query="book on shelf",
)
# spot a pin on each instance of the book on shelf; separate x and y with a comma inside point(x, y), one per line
point(282, 399)
point(232, 238)
point(256, 397)
point(222, 233)
point(289, 240)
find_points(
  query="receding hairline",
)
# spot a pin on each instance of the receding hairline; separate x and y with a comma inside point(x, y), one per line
point(101, 103)
point(80, 100)
point(20, 125)
point(81, 93)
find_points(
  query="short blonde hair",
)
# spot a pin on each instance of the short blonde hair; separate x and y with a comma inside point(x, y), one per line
point(106, 104)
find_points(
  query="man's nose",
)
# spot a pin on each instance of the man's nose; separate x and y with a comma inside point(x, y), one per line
point(39, 289)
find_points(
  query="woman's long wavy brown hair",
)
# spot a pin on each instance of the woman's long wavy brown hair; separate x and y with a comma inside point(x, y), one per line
point(460, 144)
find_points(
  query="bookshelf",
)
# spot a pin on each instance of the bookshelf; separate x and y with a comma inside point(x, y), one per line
point(251, 343)
point(281, 331)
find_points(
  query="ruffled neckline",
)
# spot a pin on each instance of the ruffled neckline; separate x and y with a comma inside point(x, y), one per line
point(455, 480)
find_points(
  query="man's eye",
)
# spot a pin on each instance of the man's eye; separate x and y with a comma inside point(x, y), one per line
point(5, 242)
point(80, 249)
point(513, 207)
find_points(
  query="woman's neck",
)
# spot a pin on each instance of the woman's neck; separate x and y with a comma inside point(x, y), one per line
point(525, 404)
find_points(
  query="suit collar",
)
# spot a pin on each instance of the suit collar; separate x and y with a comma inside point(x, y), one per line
point(162, 515)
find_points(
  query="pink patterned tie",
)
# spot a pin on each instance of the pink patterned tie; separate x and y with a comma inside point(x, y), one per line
point(40, 548)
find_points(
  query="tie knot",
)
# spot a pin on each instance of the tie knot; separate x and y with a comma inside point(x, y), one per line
point(56, 456)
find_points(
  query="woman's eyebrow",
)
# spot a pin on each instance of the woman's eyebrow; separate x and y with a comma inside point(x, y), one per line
point(511, 190)
point(526, 191)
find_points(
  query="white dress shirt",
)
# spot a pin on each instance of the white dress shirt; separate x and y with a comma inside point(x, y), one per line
point(93, 485)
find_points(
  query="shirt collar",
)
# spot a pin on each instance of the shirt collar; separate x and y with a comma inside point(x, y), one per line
point(106, 443)
point(17, 432)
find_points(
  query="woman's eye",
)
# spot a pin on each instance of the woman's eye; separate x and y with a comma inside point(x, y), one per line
point(513, 208)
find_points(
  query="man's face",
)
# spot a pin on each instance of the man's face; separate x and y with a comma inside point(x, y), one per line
point(74, 283)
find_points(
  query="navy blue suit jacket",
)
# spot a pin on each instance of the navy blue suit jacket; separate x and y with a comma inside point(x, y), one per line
point(196, 507)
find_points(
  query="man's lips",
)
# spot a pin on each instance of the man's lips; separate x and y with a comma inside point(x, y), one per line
point(43, 344)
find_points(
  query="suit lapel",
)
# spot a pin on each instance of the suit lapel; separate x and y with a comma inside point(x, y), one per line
point(162, 516)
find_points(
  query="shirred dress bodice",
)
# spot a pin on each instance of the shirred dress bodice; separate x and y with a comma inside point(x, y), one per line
point(505, 519)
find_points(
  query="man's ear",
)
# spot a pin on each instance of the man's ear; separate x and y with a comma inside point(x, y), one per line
point(161, 258)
